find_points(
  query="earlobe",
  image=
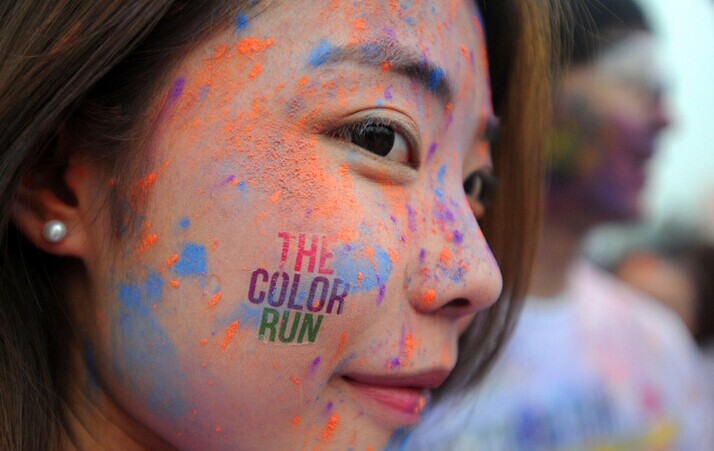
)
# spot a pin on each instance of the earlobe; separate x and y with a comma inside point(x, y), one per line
point(48, 209)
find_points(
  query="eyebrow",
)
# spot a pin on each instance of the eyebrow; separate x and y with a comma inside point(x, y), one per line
point(399, 59)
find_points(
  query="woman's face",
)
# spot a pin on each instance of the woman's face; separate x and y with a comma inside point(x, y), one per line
point(618, 104)
point(304, 257)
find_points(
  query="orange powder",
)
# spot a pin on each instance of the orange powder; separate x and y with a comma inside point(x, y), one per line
point(147, 181)
point(464, 52)
point(251, 46)
point(408, 350)
point(203, 342)
point(360, 24)
point(296, 420)
point(257, 69)
point(295, 380)
point(215, 299)
point(171, 260)
point(330, 427)
point(429, 296)
point(174, 283)
point(445, 256)
point(230, 332)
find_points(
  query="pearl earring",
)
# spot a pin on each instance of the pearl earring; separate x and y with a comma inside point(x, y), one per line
point(54, 231)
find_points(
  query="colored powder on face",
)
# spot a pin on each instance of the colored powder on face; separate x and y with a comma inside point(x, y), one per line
point(243, 187)
point(429, 296)
point(257, 69)
point(145, 347)
point(332, 423)
point(241, 21)
point(458, 237)
point(295, 380)
point(360, 24)
point(320, 54)
point(341, 345)
point(464, 52)
point(295, 421)
point(388, 93)
point(147, 242)
point(175, 283)
point(172, 260)
point(371, 261)
point(411, 218)
point(251, 46)
point(441, 175)
point(445, 256)
point(431, 152)
point(386, 66)
point(192, 260)
point(436, 79)
point(407, 349)
point(314, 365)
point(184, 223)
point(422, 255)
point(176, 89)
point(382, 293)
point(228, 337)
point(215, 299)
point(153, 287)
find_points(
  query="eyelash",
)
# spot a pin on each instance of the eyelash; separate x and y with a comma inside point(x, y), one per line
point(488, 184)
point(344, 133)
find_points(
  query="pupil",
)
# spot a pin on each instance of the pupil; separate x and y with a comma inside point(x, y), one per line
point(378, 139)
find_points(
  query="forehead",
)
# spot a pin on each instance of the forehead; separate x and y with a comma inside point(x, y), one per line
point(446, 34)
point(633, 60)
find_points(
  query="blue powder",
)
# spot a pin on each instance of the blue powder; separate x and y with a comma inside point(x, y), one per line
point(241, 21)
point(243, 187)
point(203, 92)
point(153, 287)
point(320, 54)
point(247, 314)
point(145, 347)
point(436, 79)
point(440, 175)
point(192, 261)
point(184, 222)
point(350, 261)
point(130, 297)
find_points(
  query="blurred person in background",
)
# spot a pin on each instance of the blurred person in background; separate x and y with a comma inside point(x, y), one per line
point(592, 363)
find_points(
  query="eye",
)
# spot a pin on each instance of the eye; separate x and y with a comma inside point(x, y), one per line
point(480, 186)
point(379, 137)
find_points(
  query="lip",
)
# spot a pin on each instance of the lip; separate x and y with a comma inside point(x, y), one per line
point(397, 399)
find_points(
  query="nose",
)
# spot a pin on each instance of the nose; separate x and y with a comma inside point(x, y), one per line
point(452, 271)
point(661, 117)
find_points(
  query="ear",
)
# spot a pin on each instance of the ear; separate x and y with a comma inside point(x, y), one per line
point(56, 190)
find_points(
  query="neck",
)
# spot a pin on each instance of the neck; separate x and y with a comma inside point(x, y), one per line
point(558, 247)
point(93, 420)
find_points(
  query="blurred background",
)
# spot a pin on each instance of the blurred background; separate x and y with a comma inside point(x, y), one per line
point(681, 186)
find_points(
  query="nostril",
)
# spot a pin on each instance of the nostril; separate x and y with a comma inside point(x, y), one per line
point(459, 303)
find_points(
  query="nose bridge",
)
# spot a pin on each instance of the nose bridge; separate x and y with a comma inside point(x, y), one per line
point(454, 265)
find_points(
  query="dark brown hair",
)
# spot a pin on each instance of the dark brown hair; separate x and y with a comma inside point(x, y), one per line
point(88, 67)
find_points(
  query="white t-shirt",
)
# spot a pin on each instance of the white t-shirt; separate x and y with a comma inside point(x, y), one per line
point(598, 368)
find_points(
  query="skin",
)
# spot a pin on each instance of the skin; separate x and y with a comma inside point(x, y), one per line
point(249, 144)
